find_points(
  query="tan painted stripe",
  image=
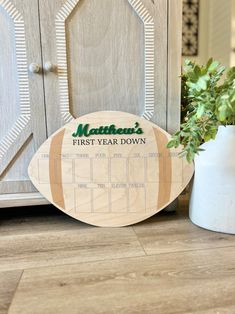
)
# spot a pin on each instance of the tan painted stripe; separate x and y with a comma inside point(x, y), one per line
point(165, 169)
point(56, 169)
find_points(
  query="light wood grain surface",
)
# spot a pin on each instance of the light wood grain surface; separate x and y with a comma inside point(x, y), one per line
point(135, 285)
point(163, 265)
point(74, 245)
point(110, 179)
point(178, 235)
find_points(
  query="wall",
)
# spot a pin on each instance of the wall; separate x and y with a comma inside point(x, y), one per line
point(216, 33)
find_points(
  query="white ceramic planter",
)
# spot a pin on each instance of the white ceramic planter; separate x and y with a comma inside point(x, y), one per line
point(212, 202)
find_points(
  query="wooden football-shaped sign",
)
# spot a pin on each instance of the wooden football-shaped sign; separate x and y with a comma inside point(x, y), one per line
point(109, 169)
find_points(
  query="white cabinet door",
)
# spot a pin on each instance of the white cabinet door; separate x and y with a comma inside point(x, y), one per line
point(109, 55)
point(22, 114)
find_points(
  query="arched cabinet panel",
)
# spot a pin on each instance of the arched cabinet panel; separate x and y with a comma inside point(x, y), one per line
point(108, 55)
point(60, 59)
point(22, 113)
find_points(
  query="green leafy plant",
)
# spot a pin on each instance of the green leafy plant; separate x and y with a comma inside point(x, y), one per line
point(206, 104)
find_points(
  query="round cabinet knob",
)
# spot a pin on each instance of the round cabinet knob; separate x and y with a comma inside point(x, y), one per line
point(34, 68)
point(50, 67)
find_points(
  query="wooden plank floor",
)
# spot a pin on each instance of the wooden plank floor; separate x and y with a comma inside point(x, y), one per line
point(50, 263)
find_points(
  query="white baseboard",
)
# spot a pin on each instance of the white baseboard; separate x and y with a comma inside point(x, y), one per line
point(22, 199)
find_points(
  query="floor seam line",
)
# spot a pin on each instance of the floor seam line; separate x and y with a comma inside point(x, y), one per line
point(139, 241)
point(114, 259)
point(16, 288)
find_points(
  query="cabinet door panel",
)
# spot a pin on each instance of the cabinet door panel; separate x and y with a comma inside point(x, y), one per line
point(110, 55)
point(22, 116)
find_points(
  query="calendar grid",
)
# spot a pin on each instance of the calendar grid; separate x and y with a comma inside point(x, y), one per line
point(129, 177)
